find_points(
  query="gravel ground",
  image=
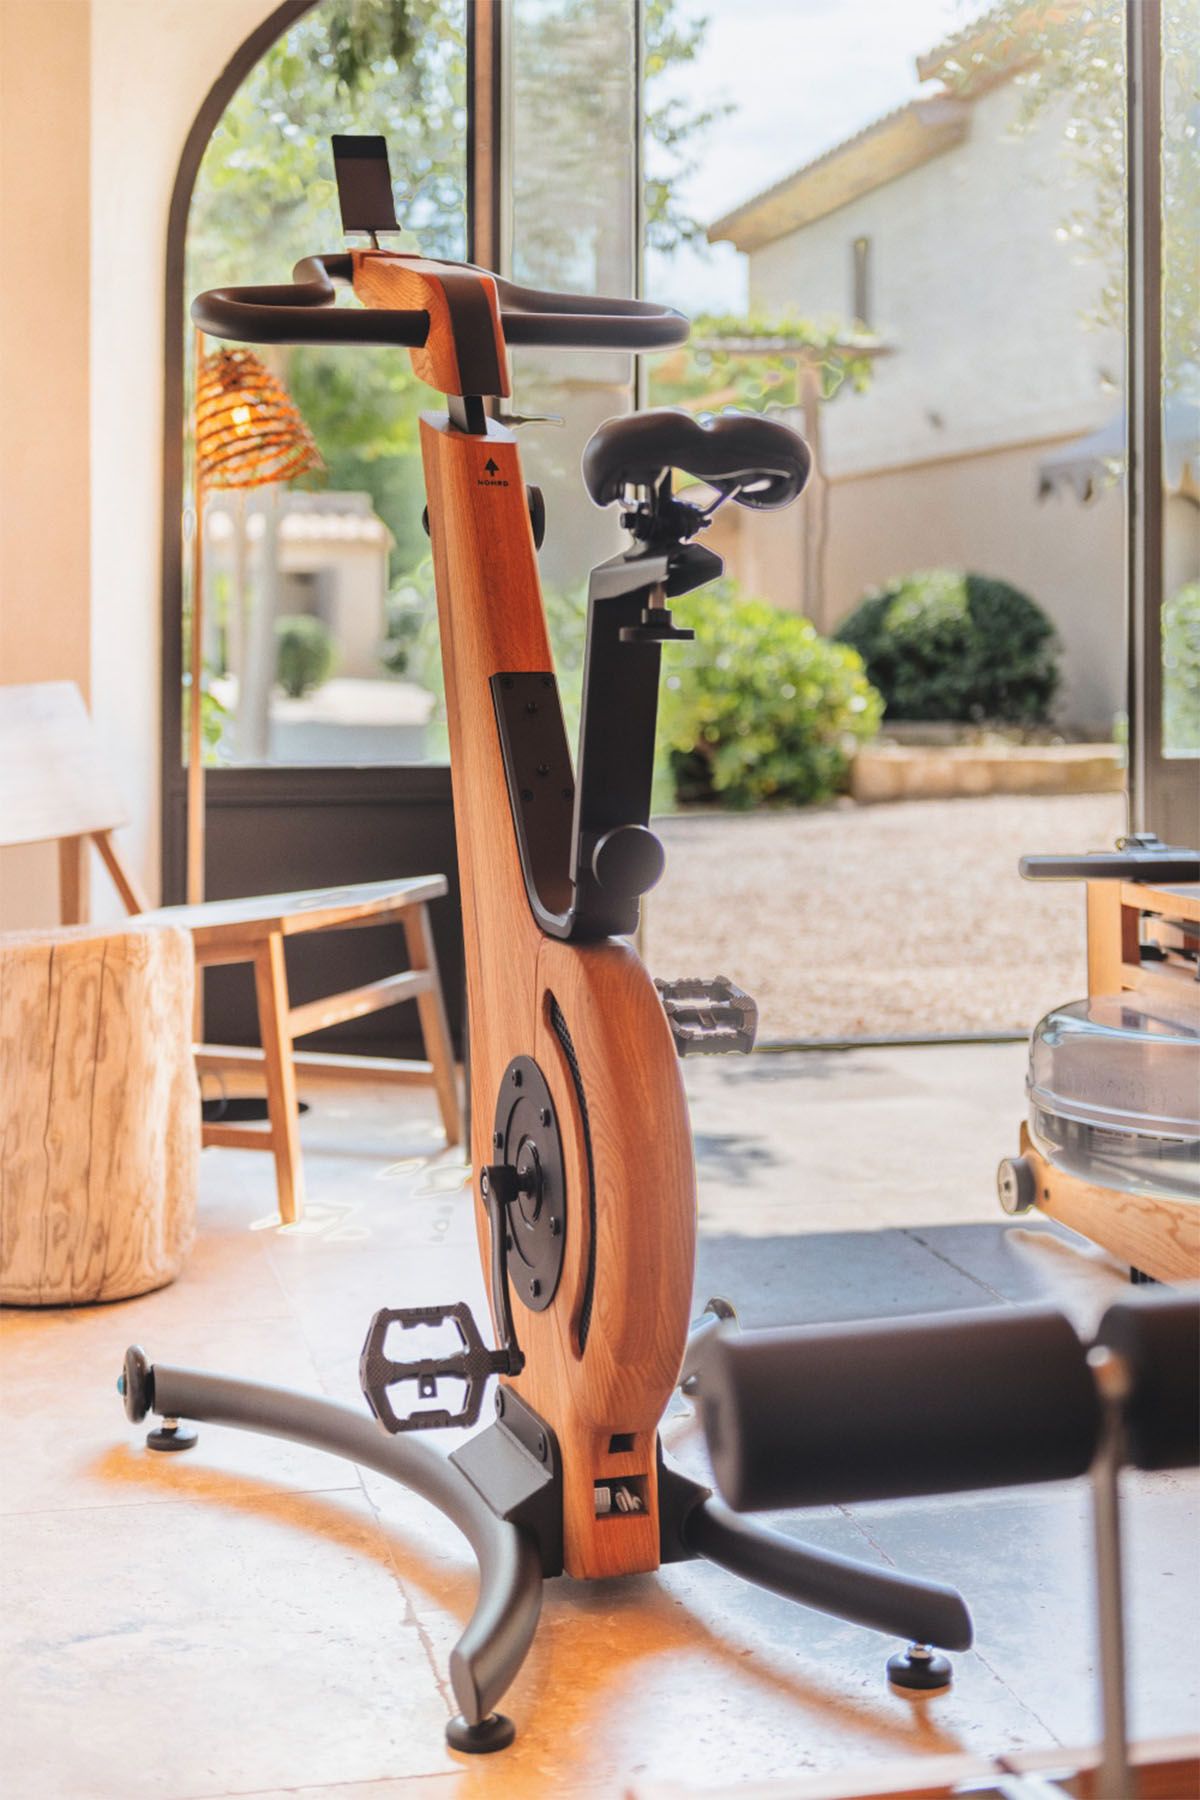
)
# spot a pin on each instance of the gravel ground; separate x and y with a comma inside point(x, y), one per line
point(847, 921)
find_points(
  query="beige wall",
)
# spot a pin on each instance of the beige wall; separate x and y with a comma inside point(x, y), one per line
point(979, 295)
point(45, 505)
point(96, 102)
point(974, 512)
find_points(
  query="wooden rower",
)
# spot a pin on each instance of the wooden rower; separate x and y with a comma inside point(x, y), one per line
point(1143, 948)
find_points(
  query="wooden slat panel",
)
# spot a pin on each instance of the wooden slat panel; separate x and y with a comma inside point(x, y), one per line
point(211, 1058)
point(260, 916)
point(373, 996)
point(1182, 902)
point(238, 1137)
point(53, 782)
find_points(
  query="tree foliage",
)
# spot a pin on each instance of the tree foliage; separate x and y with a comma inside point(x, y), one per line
point(941, 645)
point(1181, 670)
point(722, 360)
point(763, 708)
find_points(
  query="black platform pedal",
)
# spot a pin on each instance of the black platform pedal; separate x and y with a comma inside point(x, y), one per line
point(709, 1018)
point(473, 1365)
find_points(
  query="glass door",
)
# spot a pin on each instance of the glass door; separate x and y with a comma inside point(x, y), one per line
point(325, 742)
point(1165, 428)
point(569, 219)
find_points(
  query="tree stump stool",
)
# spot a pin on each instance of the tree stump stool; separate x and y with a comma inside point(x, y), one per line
point(99, 1113)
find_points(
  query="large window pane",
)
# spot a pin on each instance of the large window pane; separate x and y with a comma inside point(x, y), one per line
point(570, 222)
point(904, 233)
point(320, 636)
point(1181, 383)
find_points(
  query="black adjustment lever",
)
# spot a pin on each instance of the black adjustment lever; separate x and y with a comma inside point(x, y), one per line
point(474, 1364)
point(709, 1018)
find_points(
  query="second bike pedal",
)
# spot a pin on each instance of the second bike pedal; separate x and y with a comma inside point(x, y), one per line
point(473, 1365)
point(709, 1018)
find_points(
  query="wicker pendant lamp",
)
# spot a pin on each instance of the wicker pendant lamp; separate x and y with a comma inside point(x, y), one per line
point(247, 432)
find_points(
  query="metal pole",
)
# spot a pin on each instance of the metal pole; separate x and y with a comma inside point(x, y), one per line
point(1143, 402)
point(1112, 1380)
point(195, 773)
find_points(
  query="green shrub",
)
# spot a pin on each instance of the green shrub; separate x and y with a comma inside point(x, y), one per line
point(1181, 669)
point(763, 708)
point(943, 645)
point(304, 653)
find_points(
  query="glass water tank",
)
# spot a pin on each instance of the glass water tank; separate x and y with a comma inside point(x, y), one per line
point(1114, 1092)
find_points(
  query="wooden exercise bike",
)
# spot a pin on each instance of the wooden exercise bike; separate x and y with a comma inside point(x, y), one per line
point(585, 1186)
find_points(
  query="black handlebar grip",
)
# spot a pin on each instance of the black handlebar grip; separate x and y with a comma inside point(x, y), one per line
point(828, 1414)
point(1158, 1336)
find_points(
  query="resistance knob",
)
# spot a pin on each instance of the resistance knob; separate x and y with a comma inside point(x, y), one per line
point(628, 859)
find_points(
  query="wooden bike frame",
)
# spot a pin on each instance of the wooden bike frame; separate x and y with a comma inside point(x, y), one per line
point(603, 1357)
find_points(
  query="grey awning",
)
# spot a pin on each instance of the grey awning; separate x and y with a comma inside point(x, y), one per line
point(1090, 463)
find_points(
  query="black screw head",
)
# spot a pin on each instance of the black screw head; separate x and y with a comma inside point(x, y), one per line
point(531, 706)
point(506, 681)
point(542, 1446)
point(527, 794)
point(568, 793)
point(497, 1140)
point(499, 1402)
point(535, 1288)
point(544, 1115)
point(555, 1227)
point(517, 1078)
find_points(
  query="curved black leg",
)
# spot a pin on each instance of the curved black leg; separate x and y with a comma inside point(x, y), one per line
point(922, 1611)
point(499, 1632)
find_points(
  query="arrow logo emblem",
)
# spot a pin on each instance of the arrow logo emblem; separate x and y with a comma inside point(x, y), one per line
point(491, 467)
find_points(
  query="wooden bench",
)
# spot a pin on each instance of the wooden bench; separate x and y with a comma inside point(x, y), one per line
point(54, 787)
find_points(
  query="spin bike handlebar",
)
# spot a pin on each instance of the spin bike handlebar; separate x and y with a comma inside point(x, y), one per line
point(304, 311)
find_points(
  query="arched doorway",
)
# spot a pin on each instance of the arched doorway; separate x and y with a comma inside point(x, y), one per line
point(343, 797)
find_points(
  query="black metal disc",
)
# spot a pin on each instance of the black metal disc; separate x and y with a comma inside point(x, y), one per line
point(525, 1135)
point(136, 1384)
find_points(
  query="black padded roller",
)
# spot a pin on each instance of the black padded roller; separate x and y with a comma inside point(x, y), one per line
point(830, 1414)
point(1158, 1336)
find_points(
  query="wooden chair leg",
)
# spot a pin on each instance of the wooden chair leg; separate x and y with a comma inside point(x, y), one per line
point(270, 982)
point(434, 1027)
point(73, 880)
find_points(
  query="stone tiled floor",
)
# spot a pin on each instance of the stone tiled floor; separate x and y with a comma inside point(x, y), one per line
point(255, 1618)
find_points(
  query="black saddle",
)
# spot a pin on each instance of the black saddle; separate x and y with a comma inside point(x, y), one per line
point(756, 461)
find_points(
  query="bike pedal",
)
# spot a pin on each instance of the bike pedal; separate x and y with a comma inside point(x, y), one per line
point(709, 1018)
point(473, 1365)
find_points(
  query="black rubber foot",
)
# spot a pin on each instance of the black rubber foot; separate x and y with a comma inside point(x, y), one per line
point(496, 1732)
point(170, 1437)
point(919, 1670)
